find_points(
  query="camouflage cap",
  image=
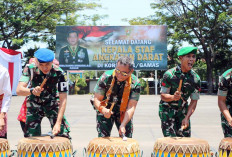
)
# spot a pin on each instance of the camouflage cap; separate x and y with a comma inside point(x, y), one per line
point(44, 55)
point(187, 50)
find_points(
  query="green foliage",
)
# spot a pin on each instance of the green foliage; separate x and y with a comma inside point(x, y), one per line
point(81, 83)
point(78, 84)
point(89, 74)
point(24, 20)
point(143, 85)
point(200, 68)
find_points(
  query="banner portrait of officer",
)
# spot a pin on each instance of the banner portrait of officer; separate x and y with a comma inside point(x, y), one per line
point(73, 53)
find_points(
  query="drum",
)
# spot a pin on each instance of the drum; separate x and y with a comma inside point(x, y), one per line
point(44, 147)
point(113, 147)
point(181, 147)
point(225, 147)
point(4, 147)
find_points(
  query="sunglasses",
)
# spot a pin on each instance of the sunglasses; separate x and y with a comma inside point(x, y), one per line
point(123, 73)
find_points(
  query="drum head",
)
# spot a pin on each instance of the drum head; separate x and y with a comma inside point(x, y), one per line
point(44, 144)
point(182, 145)
point(113, 145)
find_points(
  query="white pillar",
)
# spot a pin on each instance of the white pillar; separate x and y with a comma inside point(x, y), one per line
point(96, 73)
point(156, 82)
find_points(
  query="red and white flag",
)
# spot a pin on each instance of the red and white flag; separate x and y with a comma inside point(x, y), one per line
point(11, 60)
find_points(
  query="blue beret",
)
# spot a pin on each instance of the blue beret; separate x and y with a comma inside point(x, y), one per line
point(187, 50)
point(44, 55)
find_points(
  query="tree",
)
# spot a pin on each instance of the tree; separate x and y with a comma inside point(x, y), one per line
point(25, 20)
point(205, 24)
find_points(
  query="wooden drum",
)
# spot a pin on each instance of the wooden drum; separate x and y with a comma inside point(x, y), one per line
point(113, 147)
point(4, 147)
point(181, 147)
point(225, 147)
point(44, 147)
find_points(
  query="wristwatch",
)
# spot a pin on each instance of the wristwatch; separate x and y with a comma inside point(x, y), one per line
point(31, 90)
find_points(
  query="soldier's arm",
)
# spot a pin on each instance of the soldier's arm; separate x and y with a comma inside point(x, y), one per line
point(166, 87)
point(191, 109)
point(22, 89)
point(224, 109)
point(129, 112)
point(168, 97)
point(62, 107)
point(97, 100)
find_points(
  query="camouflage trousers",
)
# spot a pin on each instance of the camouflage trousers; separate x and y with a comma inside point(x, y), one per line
point(35, 114)
point(105, 125)
point(171, 119)
point(226, 128)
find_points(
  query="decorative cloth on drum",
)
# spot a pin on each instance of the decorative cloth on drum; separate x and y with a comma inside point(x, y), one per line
point(225, 147)
point(225, 90)
point(181, 147)
point(113, 147)
point(44, 147)
point(4, 147)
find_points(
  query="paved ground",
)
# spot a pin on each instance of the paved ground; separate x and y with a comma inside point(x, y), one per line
point(205, 122)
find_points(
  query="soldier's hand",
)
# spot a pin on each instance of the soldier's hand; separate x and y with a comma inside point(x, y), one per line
point(106, 112)
point(177, 96)
point(56, 129)
point(185, 123)
point(230, 122)
point(122, 130)
point(37, 91)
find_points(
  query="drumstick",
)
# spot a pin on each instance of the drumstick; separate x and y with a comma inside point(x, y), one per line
point(124, 138)
point(182, 128)
point(114, 101)
point(51, 134)
point(44, 81)
point(180, 83)
point(180, 131)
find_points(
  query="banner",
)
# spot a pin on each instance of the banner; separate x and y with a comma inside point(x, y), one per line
point(11, 60)
point(99, 47)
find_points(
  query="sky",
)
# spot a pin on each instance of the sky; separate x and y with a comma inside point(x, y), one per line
point(119, 9)
point(116, 11)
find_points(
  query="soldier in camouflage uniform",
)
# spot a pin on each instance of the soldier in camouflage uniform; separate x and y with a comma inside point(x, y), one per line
point(225, 101)
point(73, 53)
point(174, 110)
point(106, 118)
point(44, 101)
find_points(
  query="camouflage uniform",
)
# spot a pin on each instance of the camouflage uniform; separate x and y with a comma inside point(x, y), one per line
point(225, 89)
point(104, 125)
point(80, 56)
point(47, 104)
point(172, 113)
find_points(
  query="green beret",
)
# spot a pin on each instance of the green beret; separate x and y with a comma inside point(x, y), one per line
point(187, 50)
point(44, 55)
